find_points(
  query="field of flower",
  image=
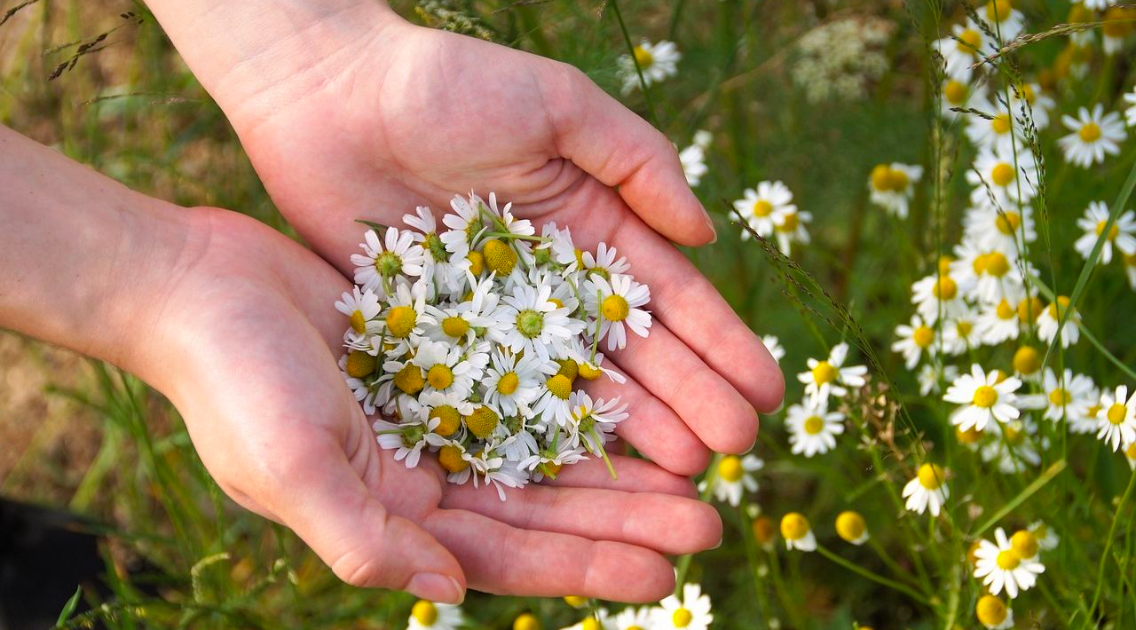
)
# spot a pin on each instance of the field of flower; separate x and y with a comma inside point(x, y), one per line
point(925, 207)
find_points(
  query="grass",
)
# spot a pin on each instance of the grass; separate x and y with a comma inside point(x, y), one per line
point(123, 103)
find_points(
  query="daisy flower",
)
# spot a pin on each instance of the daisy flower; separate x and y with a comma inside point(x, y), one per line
point(961, 49)
point(797, 532)
point(361, 309)
point(1004, 20)
point(734, 478)
point(931, 377)
point(512, 383)
point(851, 528)
point(1000, 227)
point(960, 332)
point(990, 275)
point(1012, 453)
point(1047, 322)
point(692, 612)
point(466, 226)
point(594, 422)
point(1122, 233)
point(1130, 113)
point(1001, 567)
point(406, 439)
point(994, 174)
point(1027, 363)
point(1027, 99)
point(632, 618)
point(997, 129)
point(1094, 134)
point(426, 615)
point(436, 259)
point(914, 340)
point(693, 160)
point(445, 369)
point(384, 260)
point(812, 427)
point(759, 207)
point(656, 62)
point(604, 262)
point(534, 324)
point(927, 491)
point(619, 305)
point(829, 376)
point(1067, 398)
point(936, 293)
point(998, 322)
point(891, 186)
point(773, 345)
point(982, 397)
point(789, 228)
point(1116, 424)
point(993, 613)
point(957, 94)
point(1116, 29)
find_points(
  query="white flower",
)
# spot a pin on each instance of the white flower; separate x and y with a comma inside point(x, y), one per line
point(1122, 233)
point(1116, 423)
point(981, 398)
point(892, 186)
point(938, 294)
point(1094, 135)
point(1047, 322)
point(430, 616)
point(759, 207)
point(789, 228)
point(958, 94)
point(990, 275)
point(1000, 566)
point(960, 333)
point(1002, 228)
point(693, 160)
point(592, 423)
point(632, 618)
point(466, 225)
point(812, 427)
point(619, 306)
point(535, 324)
point(797, 532)
point(692, 612)
point(996, 129)
point(994, 614)
point(734, 478)
point(383, 261)
point(998, 322)
point(436, 259)
point(657, 62)
point(931, 376)
point(1011, 451)
point(406, 439)
point(445, 369)
point(1068, 398)
point(927, 491)
point(512, 384)
point(1011, 179)
point(962, 49)
point(829, 376)
point(361, 308)
point(604, 263)
point(1005, 21)
point(1130, 113)
point(1027, 99)
point(773, 345)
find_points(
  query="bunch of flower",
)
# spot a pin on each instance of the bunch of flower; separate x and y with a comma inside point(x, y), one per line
point(839, 59)
point(474, 340)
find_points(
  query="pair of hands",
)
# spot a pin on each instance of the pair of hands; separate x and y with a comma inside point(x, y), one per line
point(393, 116)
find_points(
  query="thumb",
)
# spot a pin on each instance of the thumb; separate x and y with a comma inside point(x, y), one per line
point(331, 509)
point(620, 149)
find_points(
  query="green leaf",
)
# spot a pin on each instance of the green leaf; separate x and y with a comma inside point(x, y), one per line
point(69, 607)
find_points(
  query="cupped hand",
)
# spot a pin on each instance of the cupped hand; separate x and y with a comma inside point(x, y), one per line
point(397, 115)
point(249, 341)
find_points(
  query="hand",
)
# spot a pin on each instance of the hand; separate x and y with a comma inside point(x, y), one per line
point(362, 115)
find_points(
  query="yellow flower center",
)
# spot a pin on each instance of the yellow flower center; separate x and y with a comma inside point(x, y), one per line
point(440, 376)
point(530, 323)
point(450, 457)
point(1024, 544)
point(560, 386)
point(794, 526)
point(1026, 360)
point(1090, 132)
point(897, 180)
point(1116, 413)
point(964, 328)
point(575, 601)
point(1008, 222)
point(450, 420)
point(1028, 310)
point(409, 379)
point(730, 468)
point(401, 320)
point(425, 612)
point(358, 323)
point(763, 529)
point(850, 526)
point(455, 327)
point(568, 368)
point(990, 610)
point(1058, 307)
point(1130, 452)
point(1004, 310)
point(1113, 231)
point(360, 364)
point(762, 208)
point(1060, 397)
point(824, 373)
point(791, 221)
point(955, 92)
point(813, 425)
point(591, 623)
point(985, 396)
point(508, 383)
point(1002, 174)
point(998, 10)
point(931, 476)
point(945, 289)
point(970, 40)
point(881, 177)
point(615, 308)
point(499, 257)
point(1008, 560)
point(1001, 124)
point(997, 264)
point(476, 263)
point(643, 58)
point(945, 265)
point(526, 621)
point(682, 618)
point(589, 372)
point(923, 336)
point(1093, 411)
point(970, 436)
point(1027, 93)
point(482, 421)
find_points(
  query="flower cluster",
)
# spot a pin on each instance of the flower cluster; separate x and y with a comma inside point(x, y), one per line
point(838, 59)
point(474, 341)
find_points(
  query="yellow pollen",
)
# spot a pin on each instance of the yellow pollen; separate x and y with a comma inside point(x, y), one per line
point(970, 40)
point(985, 397)
point(1008, 222)
point(955, 92)
point(970, 436)
point(990, 610)
point(1026, 360)
point(763, 529)
point(964, 328)
point(1000, 124)
point(813, 425)
point(998, 10)
point(997, 264)
point(360, 364)
point(791, 221)
point(455, 327)
point(1090, 132)
point(1113, 231)
point(824, 373)
point(425, 612)
point(1014, 432)
point(850, 526)
point(550, 469)
point(1058, 307)
point(409, 379)
point(559, 385)
point(526, 621)
point(1002, 174)
point(1116, 413)
point(575, 601)
point(1024, 544)
point(499, 257)
point(931, 476)
point(923, 336)
point(643, 58)
point(1005, 311)
point(1060, 397)
point(1028, 310)
point(482, 421)
point(730, 469)
point(588, 372)
point(1093, 411)
point(401, 320)
point(557, 303)
point(615, 308)
point(450, 457)
point(897, 180)
point(591, 623)
point(358, 324)
point(945, 289)
point(945, 265)
point(568, 368)
point(1130, 452)
point(508, 383)
point(1008, 560)
point(440, 376)
point(794, 526)
point(1027, 93)
point(682, 618)
point(881, 177)
point(762, 208)
point(476, 262)
point(450, 420)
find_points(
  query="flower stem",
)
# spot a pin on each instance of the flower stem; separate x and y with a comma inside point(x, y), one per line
point(875, 577)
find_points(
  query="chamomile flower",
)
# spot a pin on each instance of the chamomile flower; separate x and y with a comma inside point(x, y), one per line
point(593, 422)
point(534, 324)
point(959, 94)
point(1048, 319)
point(1094, 135)
point(982, 397)
point(998, 322)
point(512, 383)
point(1130, 455)
point(734, 478)
point(1000, 227)
point(604, 262)
point(932, 375)
point(1003, 179)
point(939, 294)
point(962, 49)
point(1028, 99)
point(1047, 539)
point(993, 613)
point(1004, 20)
point(914, 340)
point(812, 427)
point(773, 345)
point(465, 225)
point(1001, 567)
point(384, 260)
point(445, 368)
point(436, 259)
point(1012, 451)
point(830, 376)
point(1116, 423)
point(426, 615)
point(406, 439)
point(960, 332)
point(405, 317)
point(851, 528)
point(1130, 113)
point(1117, 28)
point(789, 228)
point(891, 186)
point(618, 304)
point(600, 619)
point(691, 612)
point(927, 491)
point(797, 532)
point(1121, 234)
point(990, 275)
point(997, 129)
point(362, 308)
point(656, 62)
point(693, 160)
point(1067, 398)
point(759, 206)
point(634, 618)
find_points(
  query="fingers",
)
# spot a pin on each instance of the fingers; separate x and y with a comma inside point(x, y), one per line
point(502, 559)
point(326, 503)
point(665, 523)
point(622, 150)
point(634, 475)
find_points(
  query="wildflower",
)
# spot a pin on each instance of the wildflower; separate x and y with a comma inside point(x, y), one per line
point(764, 531)
point(526, 621)
point(1000, 566)
point(599, 620)
point(997, 129)
point(812, 427)
point(1047, 539)
point(1117, 27)
point(1116, 424)
point(928, 490)
point(619, 306)
point(938, 294)
point(1004, 20)
point(1130, 113)
point(1029, 99)
point(993, 613)
point(960, 332)
point(1067, 398)
point(382, 261)
point(892, 186)
point(693, 160)
point(656, 62)
point(982, 397)
point(1047, 322)
point(773, 345)
point(958, 94)
point(632, 618)
point(691, 612)
point(1027, 363)
point(759, 207)
point(829, 376)
point(1012, 453)
point(1005, 228)
point(850, 526)
point(1121, 234)
point(931, 375)
point(1003, 178)
point(989, 275)
point(797, 533)
point(998, 322)
point(962, 49)
point(734, 478)
point(1094, 135)
point(789, 228)
point(914, 340)
point(426, 615)
point(839, 57)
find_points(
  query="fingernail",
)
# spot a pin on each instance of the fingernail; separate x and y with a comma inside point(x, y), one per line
point(710, 224)
point(437, 588)
point(720, 540)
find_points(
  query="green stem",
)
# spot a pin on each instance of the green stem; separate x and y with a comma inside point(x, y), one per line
point(704, 496)
point(875, 577)
point(638, 70)
point(1026, 493)
point(1108, 542)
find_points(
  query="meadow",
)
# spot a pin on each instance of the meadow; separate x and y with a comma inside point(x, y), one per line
point(925, 162)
